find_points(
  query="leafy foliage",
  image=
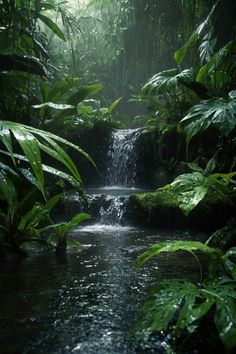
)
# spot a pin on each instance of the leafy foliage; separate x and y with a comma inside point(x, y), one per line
point(218, 112)
point(167, 81)
point(180, 306)
point(22, 217)
point(62, 229)
point(191, 188)
point(31, 141)
point(188, 246)
point(196, 35)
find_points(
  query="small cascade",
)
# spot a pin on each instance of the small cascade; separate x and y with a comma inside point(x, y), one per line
point(122, 158)
point(114, 213)
point(108, 204)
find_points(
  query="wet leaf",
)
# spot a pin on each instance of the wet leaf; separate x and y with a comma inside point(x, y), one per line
point(173, 246)
point(166, 81)
point(52, 25)
point(190, 189)
point(218, 112)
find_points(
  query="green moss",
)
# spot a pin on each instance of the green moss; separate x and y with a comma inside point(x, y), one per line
point(156, 199)
point(161, 209)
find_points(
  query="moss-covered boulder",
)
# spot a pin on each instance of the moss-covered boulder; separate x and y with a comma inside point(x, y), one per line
point(160, 209)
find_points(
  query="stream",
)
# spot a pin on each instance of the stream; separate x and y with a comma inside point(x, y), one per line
point(88, 300)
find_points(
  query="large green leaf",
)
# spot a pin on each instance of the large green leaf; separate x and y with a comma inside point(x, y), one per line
point(52, 25)
point(167, 81)
point(158, 312)
point(31, 150)
point(27, 64)
point(224, 296)
point(189, 246)
point(196, 35)
point(31, 141)
point(83, 92)
point(181, 305)
point(218, 112)
point(60, 88)
point(8, 192)
point(213, 67)
point(190, 189)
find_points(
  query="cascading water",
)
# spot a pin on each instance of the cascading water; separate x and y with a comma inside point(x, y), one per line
point(109, 202)
point(122, 158)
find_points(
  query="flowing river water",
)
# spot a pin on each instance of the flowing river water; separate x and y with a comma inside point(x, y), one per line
point(88, 300)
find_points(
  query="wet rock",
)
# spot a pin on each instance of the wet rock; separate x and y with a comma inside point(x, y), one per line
point(160, 209)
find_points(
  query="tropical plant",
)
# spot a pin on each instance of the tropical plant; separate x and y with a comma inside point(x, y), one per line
point(21, 215)
point(63, 98)
point(216, 112)
point(32, 141)
point(179, 305)
point(62, 230)
point(191, 188)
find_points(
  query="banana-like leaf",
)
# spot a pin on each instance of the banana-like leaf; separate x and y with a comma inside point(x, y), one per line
point(218, 112)
point(33, 140)
point(8, 192)
point(84, 92)
point(27, 64)
point(52, 25)
point(114, 104)
point(60, 88)
point(31, 150)
point(188, 246)
point(167, 81)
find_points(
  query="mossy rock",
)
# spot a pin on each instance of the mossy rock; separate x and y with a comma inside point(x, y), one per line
point(161, 209)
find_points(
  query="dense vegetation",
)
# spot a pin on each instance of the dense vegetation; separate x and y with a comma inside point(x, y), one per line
point(191, 94)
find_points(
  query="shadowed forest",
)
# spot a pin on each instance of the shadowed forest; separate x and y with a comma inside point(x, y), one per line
point(117, 176)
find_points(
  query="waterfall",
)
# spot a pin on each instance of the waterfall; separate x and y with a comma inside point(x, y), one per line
point(122, 158)
point(108, 204)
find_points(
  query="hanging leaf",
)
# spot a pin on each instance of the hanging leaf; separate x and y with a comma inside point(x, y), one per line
point(31, 150)
point(8, 192)
point(188, 246)
point(167, 81)
point(180, 306)
point(181, 52)
point(52, 25)
point(83, 92)
point(27, 64)
point(60, 88)
point(114, 104)
point(33, 140)
point(218, 112)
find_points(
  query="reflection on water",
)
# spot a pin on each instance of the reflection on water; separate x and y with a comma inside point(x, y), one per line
point(87, 301)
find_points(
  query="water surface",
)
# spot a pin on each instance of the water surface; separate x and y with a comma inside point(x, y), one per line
point(85, 302)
